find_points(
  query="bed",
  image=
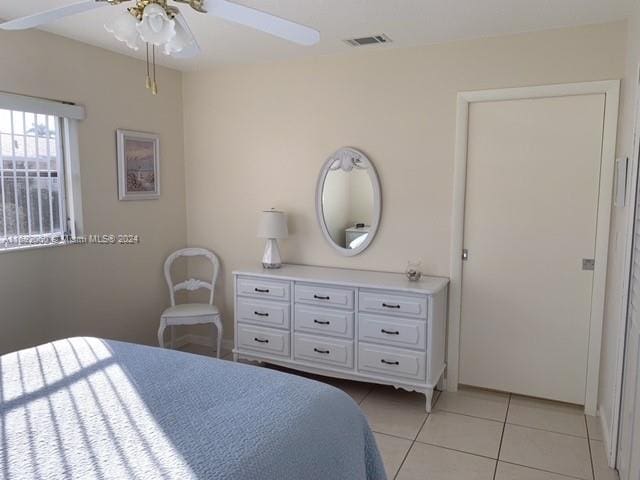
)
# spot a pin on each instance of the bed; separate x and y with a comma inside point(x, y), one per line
point(85, 408)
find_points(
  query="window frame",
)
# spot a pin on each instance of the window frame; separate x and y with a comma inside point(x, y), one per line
point(68, 116)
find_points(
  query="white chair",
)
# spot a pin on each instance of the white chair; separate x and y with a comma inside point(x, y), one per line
point(191, 313)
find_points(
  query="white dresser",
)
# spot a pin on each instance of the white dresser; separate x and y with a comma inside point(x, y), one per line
point(368, 326)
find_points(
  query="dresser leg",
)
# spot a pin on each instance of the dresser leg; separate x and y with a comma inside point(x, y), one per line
point(235, 357)
point(428, 395)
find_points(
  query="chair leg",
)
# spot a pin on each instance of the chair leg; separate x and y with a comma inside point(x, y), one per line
point(163, 325)
point(173, 336)
point(220, 335)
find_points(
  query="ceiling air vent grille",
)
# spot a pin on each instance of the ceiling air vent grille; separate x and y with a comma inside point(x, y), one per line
point(372, 40)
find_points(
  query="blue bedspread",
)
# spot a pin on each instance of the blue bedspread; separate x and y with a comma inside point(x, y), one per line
point(86, 408)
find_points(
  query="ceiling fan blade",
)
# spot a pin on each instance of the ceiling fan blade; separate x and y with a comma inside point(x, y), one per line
point(193, 48)
point(41, 18)
point(249, 17)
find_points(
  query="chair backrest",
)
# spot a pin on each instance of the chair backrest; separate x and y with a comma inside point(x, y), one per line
point(192, 284)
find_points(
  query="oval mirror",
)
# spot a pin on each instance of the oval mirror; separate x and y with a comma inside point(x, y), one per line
point(348, 201)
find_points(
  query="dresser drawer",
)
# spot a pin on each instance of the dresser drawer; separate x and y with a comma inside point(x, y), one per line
point(391, 304)
point(392, 362)
point(318, 295)
point(323, 321)
point(331, 351)
point(272, 314)
point(274, 342)
point(400, 332)
point(256, 287)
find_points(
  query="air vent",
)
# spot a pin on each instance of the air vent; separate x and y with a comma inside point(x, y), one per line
point(372, 40)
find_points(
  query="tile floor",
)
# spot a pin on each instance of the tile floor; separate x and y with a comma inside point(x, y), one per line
point(476, 435)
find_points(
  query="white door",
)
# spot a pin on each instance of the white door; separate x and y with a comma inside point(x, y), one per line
point(533, 172)
point(628, 462)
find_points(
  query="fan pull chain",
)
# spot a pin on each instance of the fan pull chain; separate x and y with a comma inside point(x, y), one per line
point(148, 83)
point(151, 70)
point(154, 85)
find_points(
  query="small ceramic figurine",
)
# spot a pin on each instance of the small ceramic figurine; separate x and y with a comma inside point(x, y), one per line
point(413, 271)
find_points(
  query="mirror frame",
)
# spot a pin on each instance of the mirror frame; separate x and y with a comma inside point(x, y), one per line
point(377, 201)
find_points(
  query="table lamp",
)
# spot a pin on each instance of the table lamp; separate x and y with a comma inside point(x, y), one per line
point(273, 226)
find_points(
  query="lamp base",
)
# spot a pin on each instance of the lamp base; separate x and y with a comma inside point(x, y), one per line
point(271, 258)
point(271, 265)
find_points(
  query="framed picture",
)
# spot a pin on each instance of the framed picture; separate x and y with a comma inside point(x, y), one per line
point(138, 165)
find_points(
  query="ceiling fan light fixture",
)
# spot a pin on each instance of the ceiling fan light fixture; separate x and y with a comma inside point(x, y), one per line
point(157, 23)
point(156, 27)
point(123, 27)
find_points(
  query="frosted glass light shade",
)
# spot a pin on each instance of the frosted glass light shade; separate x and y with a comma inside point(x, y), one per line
point(273, 224)
point(179, 42)
point(124, 29)
point(156, 27)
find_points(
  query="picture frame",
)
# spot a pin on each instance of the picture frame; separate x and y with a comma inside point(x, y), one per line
point(138, 165)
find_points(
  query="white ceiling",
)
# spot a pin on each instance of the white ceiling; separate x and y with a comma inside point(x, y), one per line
point(407, 22)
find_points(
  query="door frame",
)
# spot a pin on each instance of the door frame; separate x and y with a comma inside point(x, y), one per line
point(612, 430)
point(611, 90)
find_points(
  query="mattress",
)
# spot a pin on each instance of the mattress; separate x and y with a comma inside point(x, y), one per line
point(84, 408)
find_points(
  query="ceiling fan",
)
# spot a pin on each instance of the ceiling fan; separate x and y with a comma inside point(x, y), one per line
point(156, 23)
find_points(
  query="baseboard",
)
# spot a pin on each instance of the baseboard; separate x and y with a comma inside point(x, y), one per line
point(205, 341)
point(605, 427)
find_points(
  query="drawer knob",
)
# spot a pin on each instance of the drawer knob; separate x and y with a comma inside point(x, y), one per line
point(390, 305)
point(261, 314)
point(261, 340)
point(322, 297)
point(261, 290)
point(323, 352)
point(390, 332)
point(387, 362)
point(321, 322)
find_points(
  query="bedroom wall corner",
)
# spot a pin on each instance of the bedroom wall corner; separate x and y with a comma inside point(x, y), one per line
point(114, 291)
point(256, 137)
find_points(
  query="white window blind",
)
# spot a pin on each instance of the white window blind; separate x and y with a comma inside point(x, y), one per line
point(33, 198)
point(11, 101)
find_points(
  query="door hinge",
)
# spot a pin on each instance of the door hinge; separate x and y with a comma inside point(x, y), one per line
point(588, 264)
point(465, 254)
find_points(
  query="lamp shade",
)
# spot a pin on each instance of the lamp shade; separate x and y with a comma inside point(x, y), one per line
point(273, 224)
point(124, 29)
point(156, 27)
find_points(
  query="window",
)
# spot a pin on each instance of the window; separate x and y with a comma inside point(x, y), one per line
point(35, 207)
point(31, 174)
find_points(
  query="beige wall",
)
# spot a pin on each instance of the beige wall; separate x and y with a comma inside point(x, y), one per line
point(115, 292)
point(615, 308)
point(256, 137)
